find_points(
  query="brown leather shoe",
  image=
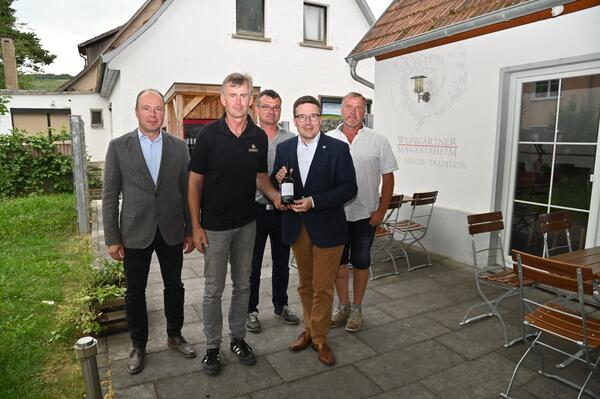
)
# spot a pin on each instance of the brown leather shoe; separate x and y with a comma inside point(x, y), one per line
point(181, 346)
point(135, 364)
point(325, 354)
point(301, 342)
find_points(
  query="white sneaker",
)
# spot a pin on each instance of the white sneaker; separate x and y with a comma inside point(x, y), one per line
point(355, 320)
point(340, 315)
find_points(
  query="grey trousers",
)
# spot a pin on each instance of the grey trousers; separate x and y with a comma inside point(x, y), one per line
point(234, 246)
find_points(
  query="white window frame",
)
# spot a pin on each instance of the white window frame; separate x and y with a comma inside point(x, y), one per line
point(516, 78)
point(325, 9)
point(242, 32)
point(96, 125)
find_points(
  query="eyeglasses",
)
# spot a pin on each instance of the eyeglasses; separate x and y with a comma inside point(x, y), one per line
point(311, 117)
point(270, 108)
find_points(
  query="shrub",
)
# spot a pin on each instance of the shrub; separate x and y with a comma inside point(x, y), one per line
point(31, 165)
point(84, 308)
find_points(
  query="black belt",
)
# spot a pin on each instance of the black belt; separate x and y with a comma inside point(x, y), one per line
point(267, 207)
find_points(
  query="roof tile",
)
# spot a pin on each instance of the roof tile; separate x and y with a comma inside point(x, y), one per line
point(409, 18)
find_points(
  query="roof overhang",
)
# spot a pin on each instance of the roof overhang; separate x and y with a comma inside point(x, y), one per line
point(111, 54)
point(109, 80)
point(510, 17)
point(81, 46)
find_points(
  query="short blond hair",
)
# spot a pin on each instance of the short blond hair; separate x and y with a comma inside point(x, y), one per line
point(354, 94)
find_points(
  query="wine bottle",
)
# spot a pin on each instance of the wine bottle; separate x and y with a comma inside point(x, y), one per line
point(287, 187)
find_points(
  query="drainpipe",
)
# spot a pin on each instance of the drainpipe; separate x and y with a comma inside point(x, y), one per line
point(353, 63)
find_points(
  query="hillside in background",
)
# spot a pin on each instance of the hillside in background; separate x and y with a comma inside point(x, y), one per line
point(42, 81)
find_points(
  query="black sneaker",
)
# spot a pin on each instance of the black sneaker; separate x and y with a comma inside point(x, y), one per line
point(287, 315)
point(212, 361)
point(243, 351)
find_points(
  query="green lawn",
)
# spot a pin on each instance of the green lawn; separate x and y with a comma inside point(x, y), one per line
point(41, 259)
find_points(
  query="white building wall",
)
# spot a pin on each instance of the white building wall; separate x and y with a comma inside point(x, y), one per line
point(462, 115)
point(185, 45)
point(96, 139)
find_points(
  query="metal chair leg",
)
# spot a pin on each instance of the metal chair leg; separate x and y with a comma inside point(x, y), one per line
point(588, 379)
point(514, 374)
point(416, 241)
point(384, 247)
point(569, 360)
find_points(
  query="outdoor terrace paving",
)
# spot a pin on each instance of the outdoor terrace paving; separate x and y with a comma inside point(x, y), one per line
point(411, 346)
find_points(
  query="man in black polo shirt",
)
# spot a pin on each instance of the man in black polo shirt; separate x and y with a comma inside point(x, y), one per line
point(228, 163)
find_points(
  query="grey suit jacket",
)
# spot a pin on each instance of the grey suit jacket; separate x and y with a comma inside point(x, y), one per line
point(145, 206)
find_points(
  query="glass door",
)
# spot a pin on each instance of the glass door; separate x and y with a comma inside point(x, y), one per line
point(556, 157)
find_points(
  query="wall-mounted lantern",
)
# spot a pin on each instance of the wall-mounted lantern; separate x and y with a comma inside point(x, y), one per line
point(421, 94)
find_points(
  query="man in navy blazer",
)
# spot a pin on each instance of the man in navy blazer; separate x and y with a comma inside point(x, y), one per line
point(315, 224)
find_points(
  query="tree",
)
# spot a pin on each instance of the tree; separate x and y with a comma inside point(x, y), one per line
point(29, 52)
point(3, 101)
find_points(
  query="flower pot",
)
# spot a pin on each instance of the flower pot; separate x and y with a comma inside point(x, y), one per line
point(113, 316)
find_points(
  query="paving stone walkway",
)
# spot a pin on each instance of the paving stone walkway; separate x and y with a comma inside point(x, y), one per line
point(411, 346)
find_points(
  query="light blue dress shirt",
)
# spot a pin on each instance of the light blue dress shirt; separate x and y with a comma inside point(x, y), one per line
point(152, 151)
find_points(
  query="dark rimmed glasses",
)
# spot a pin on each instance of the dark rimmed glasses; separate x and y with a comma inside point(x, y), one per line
point(304, 117)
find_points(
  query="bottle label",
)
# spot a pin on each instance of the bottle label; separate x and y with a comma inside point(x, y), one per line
point(287, 189)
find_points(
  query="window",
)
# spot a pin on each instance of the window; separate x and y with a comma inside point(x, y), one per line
point(250, 17)
point(556, 155)
point(96, 117)
point(546, 89)
point(331, 111)
point(315, 23)
point(332, 106)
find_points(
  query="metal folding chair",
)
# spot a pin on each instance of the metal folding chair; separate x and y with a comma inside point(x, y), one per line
point(486, 233)
point(551, 319)
point(412, 230)
point(556, 223)
point(384, 237)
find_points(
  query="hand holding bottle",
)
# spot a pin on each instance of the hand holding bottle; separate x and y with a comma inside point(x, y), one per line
point(302, 205)
point(281, 174)
point(278, 204)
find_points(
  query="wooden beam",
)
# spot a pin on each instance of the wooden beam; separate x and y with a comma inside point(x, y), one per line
point(194, 89)
point(179, 115)
point(189, 107)
point(171, 120)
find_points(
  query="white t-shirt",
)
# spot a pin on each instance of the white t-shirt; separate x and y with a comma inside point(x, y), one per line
point(372, 157)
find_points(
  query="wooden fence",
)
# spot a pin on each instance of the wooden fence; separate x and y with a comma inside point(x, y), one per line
point(61, 147)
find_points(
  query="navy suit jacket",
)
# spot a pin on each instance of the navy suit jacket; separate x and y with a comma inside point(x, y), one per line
point(331, 182)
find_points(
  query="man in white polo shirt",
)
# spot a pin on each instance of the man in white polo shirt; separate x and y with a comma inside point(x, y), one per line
point(374, 162)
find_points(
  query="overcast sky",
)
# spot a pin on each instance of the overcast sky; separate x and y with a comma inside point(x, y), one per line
point(62, 24)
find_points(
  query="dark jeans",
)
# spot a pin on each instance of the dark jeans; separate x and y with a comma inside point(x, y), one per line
point(268, 223)
point(137, 266)
point(358, 250)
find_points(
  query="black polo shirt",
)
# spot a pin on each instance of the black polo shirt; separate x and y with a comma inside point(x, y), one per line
point(229, 165)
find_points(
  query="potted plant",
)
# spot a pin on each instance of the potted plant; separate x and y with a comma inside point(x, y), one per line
point(99, 306)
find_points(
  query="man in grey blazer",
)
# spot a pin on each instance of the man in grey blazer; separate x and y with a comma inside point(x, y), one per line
point(149, 170)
